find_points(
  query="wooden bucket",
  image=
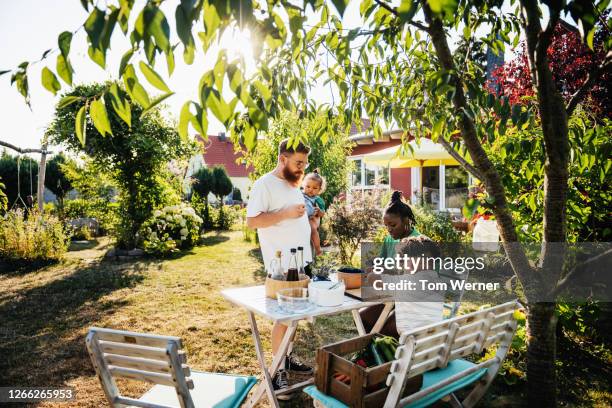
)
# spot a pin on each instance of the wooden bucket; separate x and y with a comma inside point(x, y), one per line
point(273, 285)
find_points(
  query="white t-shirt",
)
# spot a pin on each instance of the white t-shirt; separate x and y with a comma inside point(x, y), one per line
point(270, 194)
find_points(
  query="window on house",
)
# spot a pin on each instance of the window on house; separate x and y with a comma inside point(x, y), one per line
point(368, 176)
point(356, 175)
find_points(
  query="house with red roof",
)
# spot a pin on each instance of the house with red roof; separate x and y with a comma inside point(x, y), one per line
point(218, 150)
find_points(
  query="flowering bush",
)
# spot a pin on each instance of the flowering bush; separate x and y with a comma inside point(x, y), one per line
point(170, 229)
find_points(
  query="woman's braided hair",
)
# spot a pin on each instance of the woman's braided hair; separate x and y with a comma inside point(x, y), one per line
point(398, 207)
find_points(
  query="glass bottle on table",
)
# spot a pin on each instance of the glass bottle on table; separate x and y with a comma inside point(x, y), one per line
point(276, 267)
point(300, 260)
point(292, 271)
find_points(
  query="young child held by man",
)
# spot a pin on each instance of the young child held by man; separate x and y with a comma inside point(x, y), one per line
point(313, 185)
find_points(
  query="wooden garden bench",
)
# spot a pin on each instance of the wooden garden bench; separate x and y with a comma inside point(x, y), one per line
point(161, 361)
point(436, 352)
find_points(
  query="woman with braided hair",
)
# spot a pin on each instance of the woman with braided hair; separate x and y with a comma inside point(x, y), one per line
point(401, 227)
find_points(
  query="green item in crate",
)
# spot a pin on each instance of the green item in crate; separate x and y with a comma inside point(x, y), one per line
point(385, 349)
point(379, 360)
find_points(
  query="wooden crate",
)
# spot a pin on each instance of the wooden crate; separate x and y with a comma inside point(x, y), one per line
point(367, 388)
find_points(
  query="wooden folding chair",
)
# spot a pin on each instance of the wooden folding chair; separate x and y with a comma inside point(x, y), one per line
point(161, 361)
point(436, 351)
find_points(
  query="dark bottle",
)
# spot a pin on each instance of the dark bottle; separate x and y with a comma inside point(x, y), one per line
point(292, 271)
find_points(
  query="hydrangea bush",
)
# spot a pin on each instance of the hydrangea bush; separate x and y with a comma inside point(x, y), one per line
point(170, 229)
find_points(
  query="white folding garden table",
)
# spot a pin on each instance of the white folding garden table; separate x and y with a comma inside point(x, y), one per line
point(254, 300)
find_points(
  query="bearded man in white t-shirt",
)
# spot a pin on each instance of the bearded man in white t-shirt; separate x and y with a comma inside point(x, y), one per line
point(277, 210)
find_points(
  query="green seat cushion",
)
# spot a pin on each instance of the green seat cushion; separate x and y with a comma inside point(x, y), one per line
point(430, 378)
point(211, 390)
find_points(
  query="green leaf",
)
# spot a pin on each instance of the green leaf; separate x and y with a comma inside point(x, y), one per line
point(68, 100)
point(250, 137)
point(184, 120)
point(170, 62)
point(153, 77)
point(120, 105)
point(218, 106)
point(124, 60)
point(436, 131)
point(259, 118)
point(99, 116)
point(97, 56)
point(446, 6)
point(49, 81)
point(63, 41)
point(211, 19)
point(155, 102)
point(124, 14)
point(64, 69)
point(183, 29)
point(79, 124)
point(199, 121)
point(340, 6)
point(160, 30)
point(264, 91)
point(94, 25)
point(407, 9)
point(134, 88)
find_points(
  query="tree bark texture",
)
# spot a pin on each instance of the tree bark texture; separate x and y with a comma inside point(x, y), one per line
point(541, 352)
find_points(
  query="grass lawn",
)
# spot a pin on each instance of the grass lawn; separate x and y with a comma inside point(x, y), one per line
point(45, 314)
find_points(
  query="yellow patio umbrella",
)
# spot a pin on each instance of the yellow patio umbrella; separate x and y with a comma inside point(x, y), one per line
point(424, 154)
point(427, 154)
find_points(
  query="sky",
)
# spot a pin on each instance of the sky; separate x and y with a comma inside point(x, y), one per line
point(29, 27)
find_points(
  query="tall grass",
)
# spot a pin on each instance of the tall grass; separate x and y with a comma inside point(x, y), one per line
point(32, 236)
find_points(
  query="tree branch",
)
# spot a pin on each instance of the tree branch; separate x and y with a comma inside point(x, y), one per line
point(591, 78)
point(563, 283)
point(464, 163)
point(23, 151)
point(396, 14)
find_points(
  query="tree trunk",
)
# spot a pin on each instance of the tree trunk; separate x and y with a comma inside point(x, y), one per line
point(492, 180)
point(41, 177)
point(541, 354)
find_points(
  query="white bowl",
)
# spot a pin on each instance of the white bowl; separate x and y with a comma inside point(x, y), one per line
point(321, 295)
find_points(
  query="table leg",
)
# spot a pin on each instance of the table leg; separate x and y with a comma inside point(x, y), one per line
point(380, 322)
point(359, 323)
point(266, 385)
point(382, 319)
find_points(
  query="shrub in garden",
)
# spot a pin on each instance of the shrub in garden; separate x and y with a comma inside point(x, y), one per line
point(170, 229)
point(225, 219)
point(222, 186)
point(352, 222)
point(436, 225)
point(32, 237)
point(107, 214)
point(56, 179)
point(82, 233)
point(202, 186)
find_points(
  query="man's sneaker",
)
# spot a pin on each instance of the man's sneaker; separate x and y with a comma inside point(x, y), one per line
point(280, 382)
point(296, 366)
